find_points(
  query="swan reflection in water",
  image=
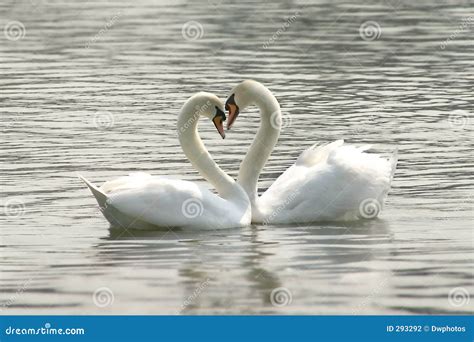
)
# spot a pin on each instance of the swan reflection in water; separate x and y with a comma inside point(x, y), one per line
point(197, 272)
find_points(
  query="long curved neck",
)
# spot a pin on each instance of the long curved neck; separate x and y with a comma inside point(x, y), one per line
point(263, 143)
point(196, 152)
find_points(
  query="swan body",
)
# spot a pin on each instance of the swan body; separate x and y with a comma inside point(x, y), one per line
point(331, 182)
point(142, 201)
point(326, 183)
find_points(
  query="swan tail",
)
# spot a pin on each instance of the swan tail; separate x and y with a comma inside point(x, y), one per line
point(98, 194)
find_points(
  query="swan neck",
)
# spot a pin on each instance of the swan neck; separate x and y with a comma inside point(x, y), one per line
point(196, 152)
point(263, 143)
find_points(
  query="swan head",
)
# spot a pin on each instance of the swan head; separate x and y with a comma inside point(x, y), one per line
point(241, 97)
point(210, 106)
point(218, 118)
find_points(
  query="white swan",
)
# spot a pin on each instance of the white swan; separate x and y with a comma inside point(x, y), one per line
point(142, 201)
point(329, 182)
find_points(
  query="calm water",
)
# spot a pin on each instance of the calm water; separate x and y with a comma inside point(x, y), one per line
point(95, 88)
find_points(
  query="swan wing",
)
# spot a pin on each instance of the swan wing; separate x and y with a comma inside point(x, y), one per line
point(167, 202)
point(142, 201)
point(297, 173)
point(329, 182)
point(133, 180)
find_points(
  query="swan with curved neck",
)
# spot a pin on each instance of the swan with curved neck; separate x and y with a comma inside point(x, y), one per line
point(143, 201)
point(329, 182)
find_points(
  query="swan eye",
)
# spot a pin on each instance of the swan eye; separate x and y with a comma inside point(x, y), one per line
point(230, 102)
point(220, 114)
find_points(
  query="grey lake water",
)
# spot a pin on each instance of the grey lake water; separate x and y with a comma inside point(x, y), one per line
point(95, 88)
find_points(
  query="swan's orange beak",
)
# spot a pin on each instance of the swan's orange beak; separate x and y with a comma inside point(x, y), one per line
point(219, 125)
point(233, 110)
